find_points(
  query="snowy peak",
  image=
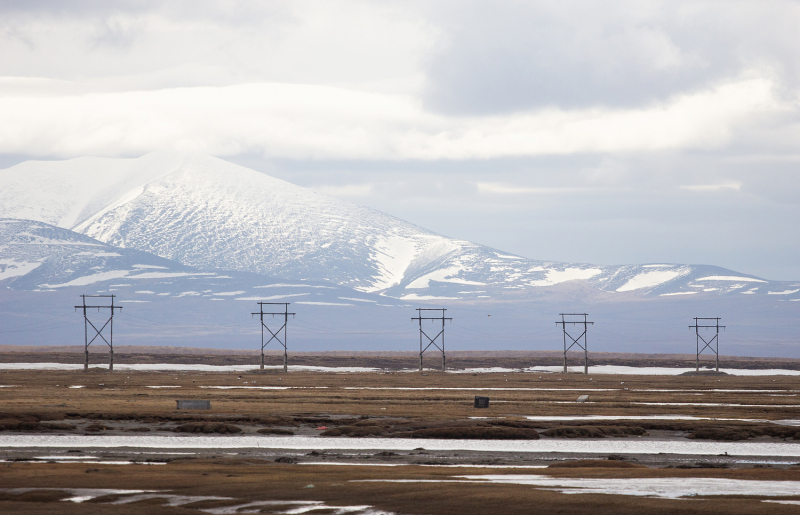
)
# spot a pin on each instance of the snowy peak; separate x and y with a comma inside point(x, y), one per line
point(207, 213)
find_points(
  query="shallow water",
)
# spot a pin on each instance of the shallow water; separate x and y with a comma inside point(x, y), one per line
point(621, 446)
point(552, 418)
point(598, 369)
point(664, 488)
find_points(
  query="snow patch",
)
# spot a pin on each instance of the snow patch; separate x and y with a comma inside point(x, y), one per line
point(443, 275)
point(13, 268)
point(784, 292)
point(90, 279)
point(730, 278)
point(414, 296)
point(166, 275)
point(650, 279)
point(393, 255)
point(323, 303)
point(568, 274)
point(273, 297)
point(294, 286)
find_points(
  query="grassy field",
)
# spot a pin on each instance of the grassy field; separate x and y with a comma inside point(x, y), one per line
point(433, 405)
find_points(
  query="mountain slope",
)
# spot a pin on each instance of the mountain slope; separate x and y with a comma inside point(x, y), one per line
point(210, 214)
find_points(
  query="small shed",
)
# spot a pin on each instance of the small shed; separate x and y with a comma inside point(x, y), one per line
point(481, 402)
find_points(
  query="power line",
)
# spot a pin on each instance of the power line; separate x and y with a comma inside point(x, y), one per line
point(275, 335)
point(98, 332)
point(431, 341)
point(576, 341)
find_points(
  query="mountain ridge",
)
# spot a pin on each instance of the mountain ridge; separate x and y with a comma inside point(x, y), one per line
point(207, 213)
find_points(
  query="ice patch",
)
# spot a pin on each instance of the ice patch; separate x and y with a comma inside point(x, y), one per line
point(678, 293)
point(784, 292)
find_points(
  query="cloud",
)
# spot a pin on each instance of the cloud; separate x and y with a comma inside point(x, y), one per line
point(511, 56)
point(302, 121)
point(505, 189)
point(735, 186)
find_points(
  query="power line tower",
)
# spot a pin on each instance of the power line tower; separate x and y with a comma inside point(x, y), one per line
point(707, 344)
point(576, 341)
point(275, 335)
point(431, 341)
point(98, 332)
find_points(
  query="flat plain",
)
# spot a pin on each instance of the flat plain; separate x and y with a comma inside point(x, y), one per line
point(396, 442)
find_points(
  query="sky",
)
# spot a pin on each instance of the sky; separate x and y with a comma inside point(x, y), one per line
point(605, 133)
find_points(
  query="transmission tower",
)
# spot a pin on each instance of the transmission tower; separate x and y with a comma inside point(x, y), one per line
point(98, 332)
point(274, 335)
point(707, 344)
point(575, 341)
point(431, 341)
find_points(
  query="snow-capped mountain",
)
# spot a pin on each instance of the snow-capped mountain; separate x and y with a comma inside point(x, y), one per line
point(207, 213)
point(35, 256)
point(44, 269)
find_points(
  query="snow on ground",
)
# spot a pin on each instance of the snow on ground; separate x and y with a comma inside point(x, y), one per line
point(392, 255)
point(568, 274)
point(13, 268)
point(91, 279)
point(443, 275)
point(729, 278)
point(273, 297)
point(313, 303)
point(651, 279)
point(627, 446)
point(281, 285)
point(414, 296)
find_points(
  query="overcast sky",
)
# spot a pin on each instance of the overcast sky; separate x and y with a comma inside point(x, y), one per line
point(595, 132)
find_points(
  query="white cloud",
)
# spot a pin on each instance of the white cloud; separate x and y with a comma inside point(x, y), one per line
point(735, 186)
point(307, 121)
